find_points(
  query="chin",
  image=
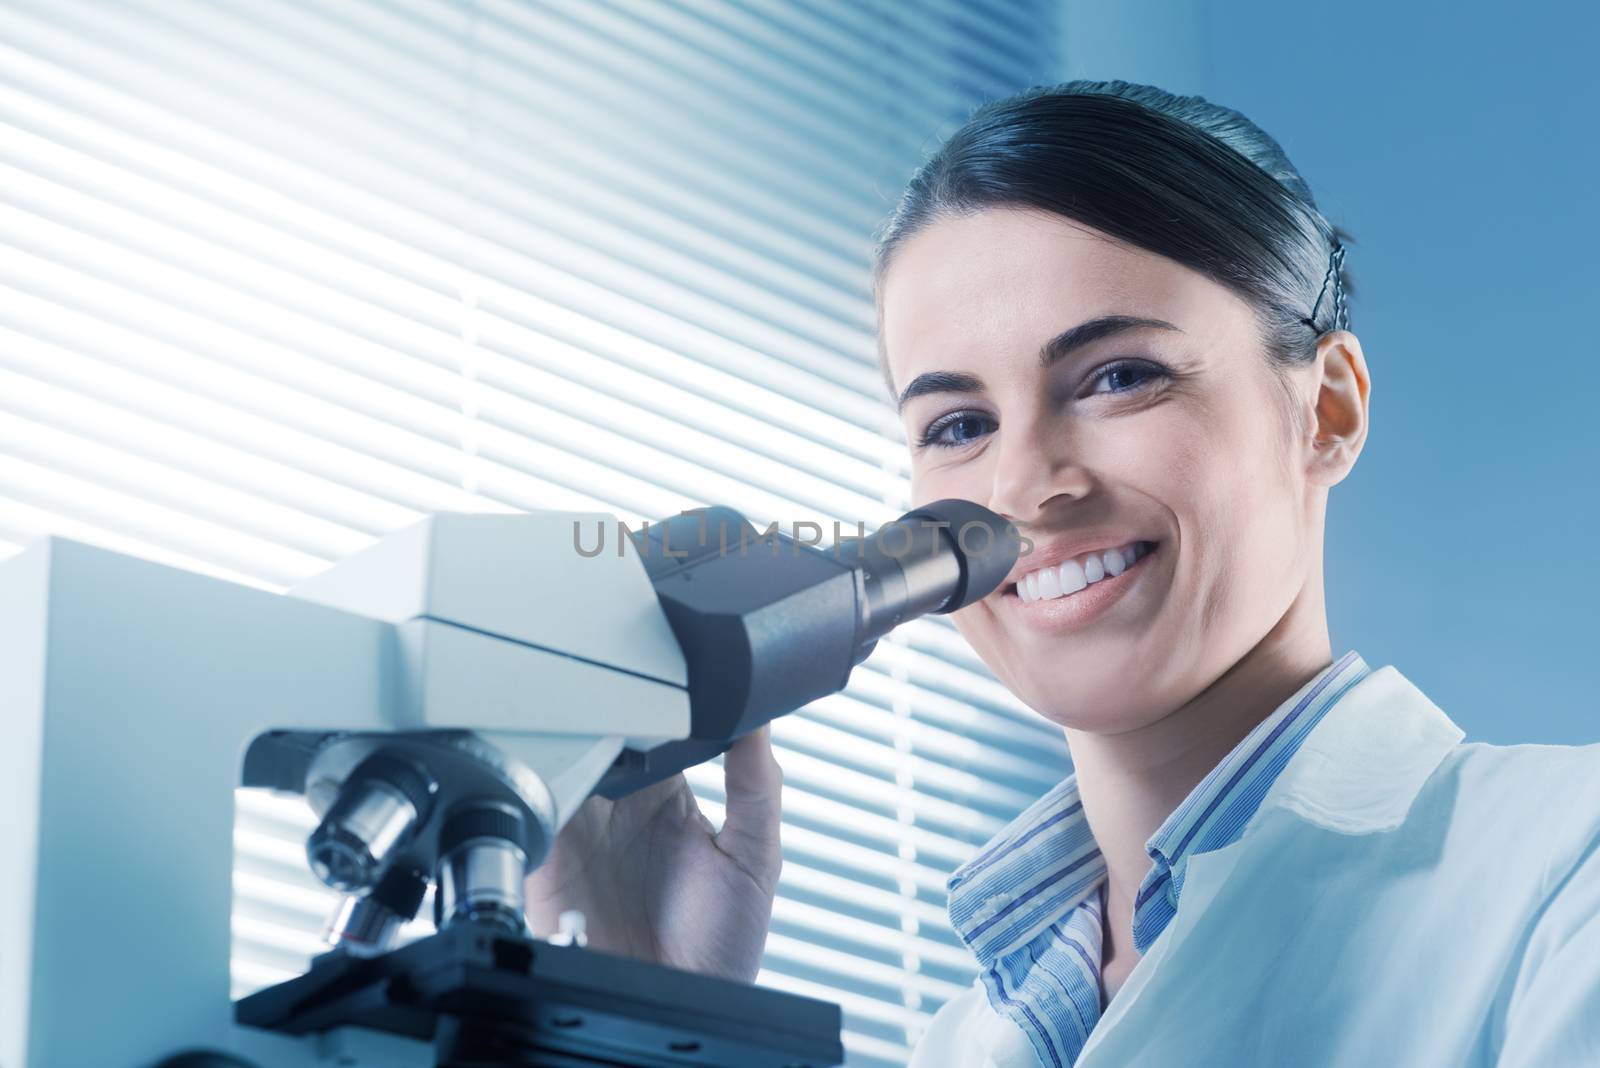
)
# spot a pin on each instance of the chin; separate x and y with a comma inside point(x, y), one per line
point(1096, 706)
point(1096, 684)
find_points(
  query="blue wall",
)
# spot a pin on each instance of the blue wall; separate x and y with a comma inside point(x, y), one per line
point(1458, 143)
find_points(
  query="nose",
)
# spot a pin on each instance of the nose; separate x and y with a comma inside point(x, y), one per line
point(1035, 471)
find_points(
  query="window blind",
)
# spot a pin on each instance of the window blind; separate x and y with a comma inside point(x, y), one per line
point(278, 277)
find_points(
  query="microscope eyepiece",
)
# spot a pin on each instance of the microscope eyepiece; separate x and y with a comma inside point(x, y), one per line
point(932, 560)
point(985, 544)
point(379, 805)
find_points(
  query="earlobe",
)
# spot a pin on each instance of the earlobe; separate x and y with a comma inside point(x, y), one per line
point(1341, 412)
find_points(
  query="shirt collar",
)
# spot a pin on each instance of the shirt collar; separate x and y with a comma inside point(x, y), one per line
point(1218, 809)
point(1201, 814)
point(1040, 866)
point(1356, 771)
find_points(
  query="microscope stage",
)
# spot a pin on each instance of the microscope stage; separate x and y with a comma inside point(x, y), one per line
point(488, 998)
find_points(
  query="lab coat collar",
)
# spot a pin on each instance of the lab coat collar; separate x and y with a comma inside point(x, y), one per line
point(1362, 767)
point(1357, 771)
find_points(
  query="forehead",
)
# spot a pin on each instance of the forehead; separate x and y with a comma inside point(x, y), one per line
point(1002, 281)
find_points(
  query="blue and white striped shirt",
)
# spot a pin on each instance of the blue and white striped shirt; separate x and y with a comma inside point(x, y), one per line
point(1030, 905)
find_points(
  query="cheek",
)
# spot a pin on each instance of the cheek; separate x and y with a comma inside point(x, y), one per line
point(1239, 515)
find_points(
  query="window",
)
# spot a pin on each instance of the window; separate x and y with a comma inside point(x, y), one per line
point(278, 278)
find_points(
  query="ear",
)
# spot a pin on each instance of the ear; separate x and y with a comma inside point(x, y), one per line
point(1341, 407)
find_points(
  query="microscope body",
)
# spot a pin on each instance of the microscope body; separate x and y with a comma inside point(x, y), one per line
point(443, 702)
point(138, 697)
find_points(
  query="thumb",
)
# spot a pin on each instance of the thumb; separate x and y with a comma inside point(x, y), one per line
point(753, 783)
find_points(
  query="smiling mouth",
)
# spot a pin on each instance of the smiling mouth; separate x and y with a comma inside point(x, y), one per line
point(1079, 573)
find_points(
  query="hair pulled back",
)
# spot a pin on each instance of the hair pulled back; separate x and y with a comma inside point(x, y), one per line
point(1175, 175)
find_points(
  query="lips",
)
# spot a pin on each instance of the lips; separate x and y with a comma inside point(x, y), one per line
point(1053, 552)
point(1079, 572)
point(1043, 604)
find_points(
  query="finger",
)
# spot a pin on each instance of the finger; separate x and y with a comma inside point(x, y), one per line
point(751, 773)
point(753, 783)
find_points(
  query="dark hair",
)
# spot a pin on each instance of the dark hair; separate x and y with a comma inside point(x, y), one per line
point(1179, 176)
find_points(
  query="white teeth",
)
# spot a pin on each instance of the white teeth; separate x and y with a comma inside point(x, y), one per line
point(1050, 583)
point(1073, 575)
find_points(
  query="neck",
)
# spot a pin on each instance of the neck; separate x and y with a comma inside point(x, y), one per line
point(1131, 782)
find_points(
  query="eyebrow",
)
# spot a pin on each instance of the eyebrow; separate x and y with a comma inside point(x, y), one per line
point(1054, 350)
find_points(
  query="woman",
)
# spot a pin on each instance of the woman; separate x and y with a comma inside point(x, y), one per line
point(1117, 317)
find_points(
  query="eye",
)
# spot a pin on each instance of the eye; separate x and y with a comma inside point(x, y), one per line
point(1128, 374)
point(956, 430)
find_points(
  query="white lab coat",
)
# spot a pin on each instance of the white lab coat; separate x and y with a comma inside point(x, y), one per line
point(1399, 899)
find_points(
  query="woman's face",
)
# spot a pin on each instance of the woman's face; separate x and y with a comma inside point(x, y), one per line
point(1163, 430)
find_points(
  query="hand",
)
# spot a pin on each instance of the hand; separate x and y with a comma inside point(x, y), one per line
point(655, 880)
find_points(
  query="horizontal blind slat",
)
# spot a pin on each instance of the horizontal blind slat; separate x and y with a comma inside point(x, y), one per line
point(120, 426)
point(409, 186)
point(190, 42)
point(396, 222)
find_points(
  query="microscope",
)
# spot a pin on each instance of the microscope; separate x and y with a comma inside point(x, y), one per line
point(443, 702)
